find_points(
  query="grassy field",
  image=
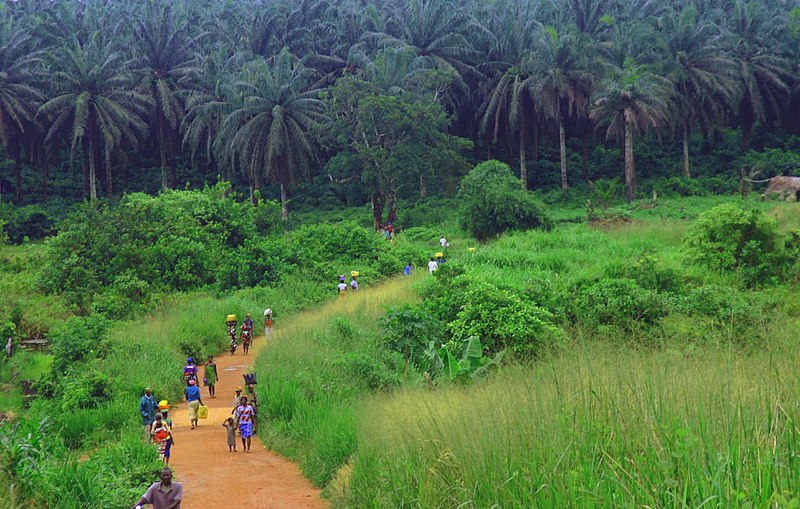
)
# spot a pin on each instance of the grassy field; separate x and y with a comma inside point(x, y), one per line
point(703, 413)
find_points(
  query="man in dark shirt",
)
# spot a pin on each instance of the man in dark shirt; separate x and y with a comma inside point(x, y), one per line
point(163, 495)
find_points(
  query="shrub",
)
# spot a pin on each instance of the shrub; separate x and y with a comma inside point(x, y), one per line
point(409, 329)
point(78, 340)
point(730, 238)
point(619, 302)
point(368, 368)
point(501, 319)
point(491, 202)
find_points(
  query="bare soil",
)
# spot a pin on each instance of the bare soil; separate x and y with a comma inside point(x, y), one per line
point(214, 478)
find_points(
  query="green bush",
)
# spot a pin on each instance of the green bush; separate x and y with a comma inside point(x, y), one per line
point(78, 340)
point(409, 329)
point(492, 202)
point(729, 238)
point(620, 302)
point(501, 319)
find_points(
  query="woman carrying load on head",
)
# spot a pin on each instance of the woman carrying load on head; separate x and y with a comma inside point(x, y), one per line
point(268, 322)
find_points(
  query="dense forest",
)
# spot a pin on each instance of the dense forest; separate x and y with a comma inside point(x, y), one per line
point(371, 101)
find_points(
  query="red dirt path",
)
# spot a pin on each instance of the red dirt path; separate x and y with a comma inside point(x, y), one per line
point(214, 478)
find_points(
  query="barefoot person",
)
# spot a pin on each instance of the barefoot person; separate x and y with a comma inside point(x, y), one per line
point(210, 376)
point(244, 412)
point(163, 495)
point(193, 397)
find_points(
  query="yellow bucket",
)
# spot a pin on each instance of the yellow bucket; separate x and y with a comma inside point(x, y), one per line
point(202, 412)
point(354, 273)
point(231, 318)
point(471, 249)
point(439, 255)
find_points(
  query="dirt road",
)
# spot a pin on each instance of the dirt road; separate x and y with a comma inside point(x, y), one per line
point(214, 478)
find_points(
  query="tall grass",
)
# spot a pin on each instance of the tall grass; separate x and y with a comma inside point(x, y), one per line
point(597, 427)
point(316, 368)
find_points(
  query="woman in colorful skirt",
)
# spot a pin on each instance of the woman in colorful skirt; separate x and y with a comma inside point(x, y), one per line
point(245, 412)
point(193, 397)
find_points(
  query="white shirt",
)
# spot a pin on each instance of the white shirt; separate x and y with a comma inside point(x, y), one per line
point(443, 242)
point(432, 265)
point(342, 287)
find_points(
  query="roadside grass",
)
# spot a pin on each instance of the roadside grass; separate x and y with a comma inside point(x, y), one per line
point(599, 426)
point(317, 366)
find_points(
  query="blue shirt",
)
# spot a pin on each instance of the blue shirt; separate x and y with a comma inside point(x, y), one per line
point(192, 393)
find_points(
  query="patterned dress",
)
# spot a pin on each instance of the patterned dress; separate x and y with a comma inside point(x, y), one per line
point(245, 415)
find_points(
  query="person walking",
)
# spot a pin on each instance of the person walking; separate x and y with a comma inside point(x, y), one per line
point(210, 376)
point(163, 407)
point(443, 243)
point(230, 428)
point(147, 408)
point(354, 284)
point(162, 495)
point(189, 371)
point(268, 322)
point(160, 433)
point(237, 400)
point(407, 269)
point(432, 265)
point(193, 397)
point(9, 347)
point(244, 413)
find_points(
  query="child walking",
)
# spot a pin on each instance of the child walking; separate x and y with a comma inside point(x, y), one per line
point(230, 428)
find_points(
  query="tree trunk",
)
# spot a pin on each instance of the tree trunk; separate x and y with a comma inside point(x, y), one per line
point(85, 166)
point(423, 187)
point(17, 178)
point(172, 171)
point(686, 172)
point(535, 140)
point(43, 162)
point(109, 181)
point(630, 168)
point(252, 193)
point(587, 138)
point(376, 202)
point(162, 151)
point(93, 156)
point(747, 126)
point(523, 163)
point(284, 203)
point(392, 198)
point(562, 142)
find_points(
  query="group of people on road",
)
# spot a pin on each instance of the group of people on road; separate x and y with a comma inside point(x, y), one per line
point(156, 423)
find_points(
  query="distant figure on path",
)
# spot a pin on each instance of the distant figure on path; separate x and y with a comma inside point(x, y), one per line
point(244, 412)
point(230, 428)
point(341, 287)
point(237, 400)
point(432, 265)
point(354, 284)
point(443, 242)
point(189, 371)
point(268, 322)
point(247, 325)
point(163, 407)
point(147, 407)
point(193, 397)
point(163, 495)
point(210, 376)
point(9, 347)
point(407, 270)
point(160, 433)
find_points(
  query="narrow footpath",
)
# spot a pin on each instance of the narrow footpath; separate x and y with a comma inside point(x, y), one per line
point(214, 478)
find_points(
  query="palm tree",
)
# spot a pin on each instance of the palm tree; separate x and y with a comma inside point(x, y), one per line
point(20, 93)
point(630, 100)
point(704, 78)
point(763, 72)
point(95, 107)
point(507, 106)
point(561, 80)
point(164, 64)
point(267, 131)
